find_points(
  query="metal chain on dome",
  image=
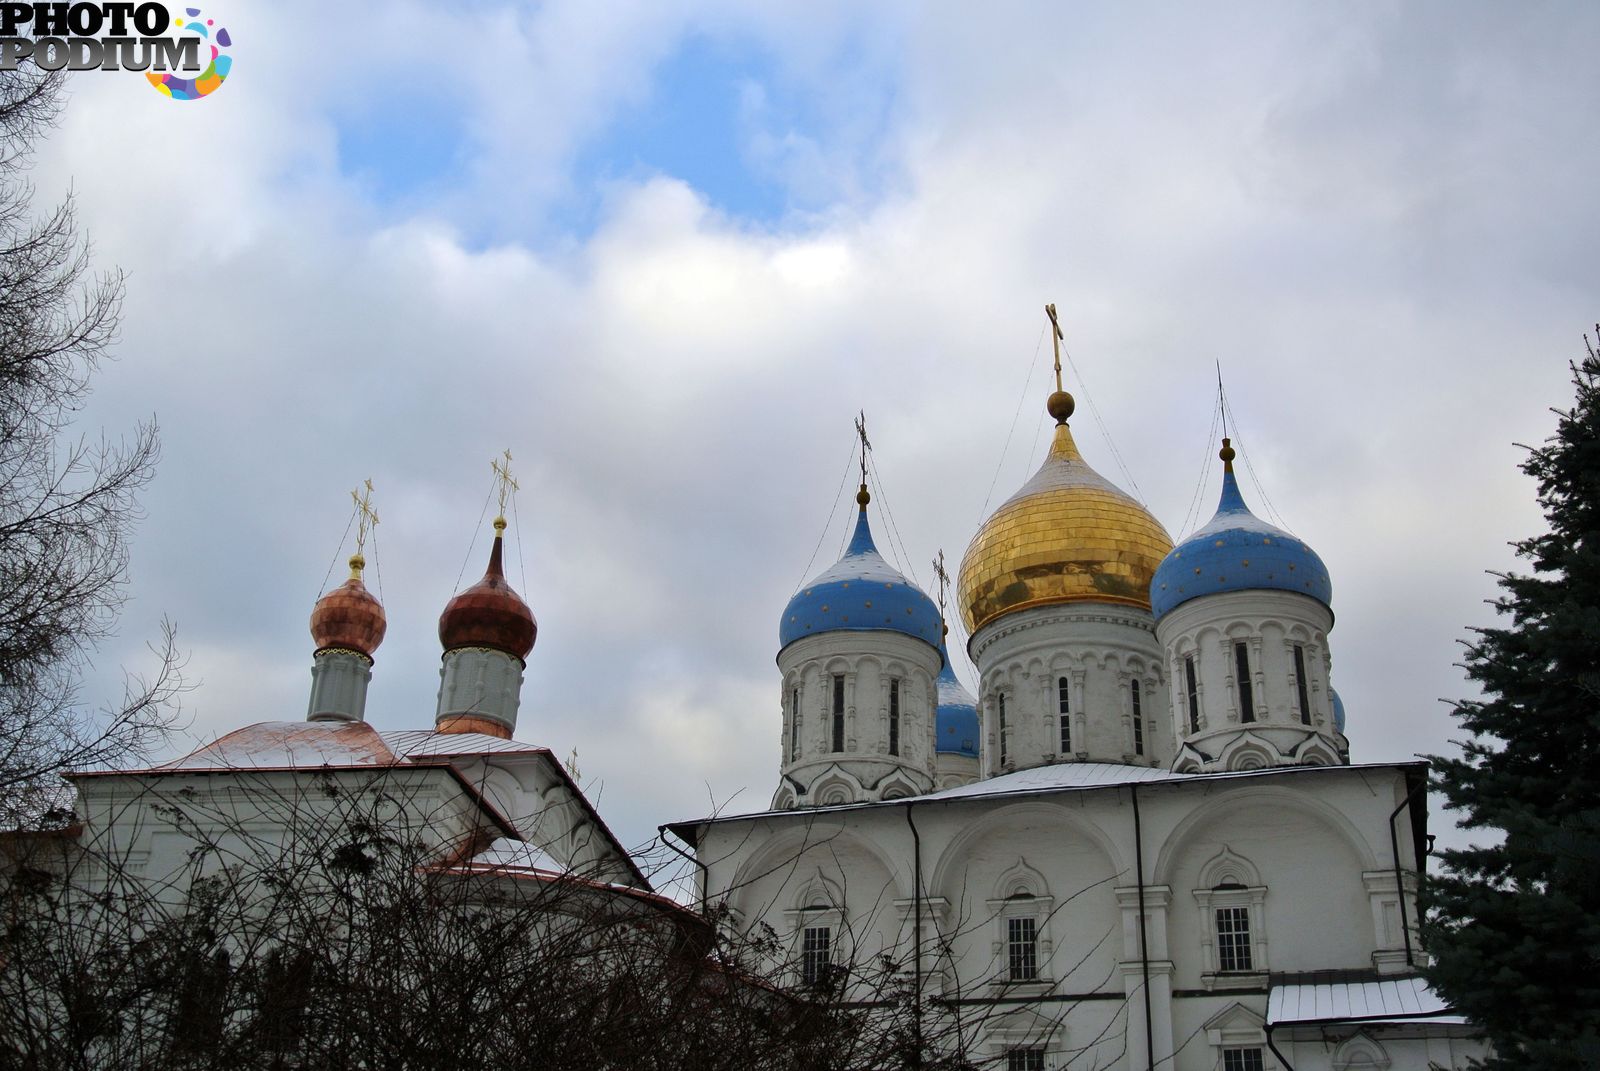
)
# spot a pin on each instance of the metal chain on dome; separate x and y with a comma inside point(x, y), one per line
point(1191, 518)
point(1105, 429)
point(377, 560)
point(337, 551)
point(1027, 386)
point(475, 530)
point(1275, 516)
point(805, 574)
point(894, 529)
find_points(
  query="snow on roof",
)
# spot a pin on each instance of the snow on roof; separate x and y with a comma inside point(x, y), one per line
point(509, 854)
point(1395, 1000)
point(425, 743)
point(1061, 775)
point(294, 745)
point(290, 744)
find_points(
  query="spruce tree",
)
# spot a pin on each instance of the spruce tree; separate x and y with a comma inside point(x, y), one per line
point(1514, 926)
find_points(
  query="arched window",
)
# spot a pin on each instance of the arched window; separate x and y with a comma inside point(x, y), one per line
point(1247, 696)
point(1233, 901)
point(894, 716)
point(1194, 693)
point(794, 725)
point(1138, 719)
point(1300, 684)
point(1021, 909)
point(1000, 703)
point(1064, 708)
point(838, 712)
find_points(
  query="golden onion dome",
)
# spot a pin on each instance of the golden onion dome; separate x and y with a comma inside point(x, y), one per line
point(1068, 535)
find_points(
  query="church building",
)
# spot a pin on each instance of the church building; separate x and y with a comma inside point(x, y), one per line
point(1142, 845)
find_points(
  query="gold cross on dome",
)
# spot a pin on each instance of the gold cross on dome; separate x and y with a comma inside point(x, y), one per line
point(1055, 339)
point(507, 483)
point(366, 516)
point(943, 580)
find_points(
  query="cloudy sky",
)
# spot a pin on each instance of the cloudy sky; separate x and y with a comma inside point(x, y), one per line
point(665, 252)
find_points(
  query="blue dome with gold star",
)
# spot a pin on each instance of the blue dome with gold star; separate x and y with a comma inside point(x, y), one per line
point(956, 721)
point(860, 593)
point(1237, 551)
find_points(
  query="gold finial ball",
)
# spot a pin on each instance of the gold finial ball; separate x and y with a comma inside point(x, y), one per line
point(1226, 453)
point(1060, 406)
point(499, 524)
point(862, 498)
point(357, 563)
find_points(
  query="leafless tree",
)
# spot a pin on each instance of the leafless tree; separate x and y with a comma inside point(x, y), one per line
point(68, 503)
point(324, 924)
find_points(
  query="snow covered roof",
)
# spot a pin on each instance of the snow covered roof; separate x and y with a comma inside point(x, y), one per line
point(1389, 1000)
point(289, 744)
point(298, 745)
point(1060, 777)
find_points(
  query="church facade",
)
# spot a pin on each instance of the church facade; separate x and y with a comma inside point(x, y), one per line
point(1141, 845)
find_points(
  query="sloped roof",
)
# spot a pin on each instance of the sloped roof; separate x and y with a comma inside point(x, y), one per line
point(1388, 1000)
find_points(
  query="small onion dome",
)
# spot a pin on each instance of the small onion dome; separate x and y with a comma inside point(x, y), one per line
point(956, 721)
point(1068, 535)
point(1338, 712)
point(861, 593)
point(349, 617)
point(489, 614)
point(1238, 551)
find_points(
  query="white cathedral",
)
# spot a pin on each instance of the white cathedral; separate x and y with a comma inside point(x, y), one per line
point(1142, 846)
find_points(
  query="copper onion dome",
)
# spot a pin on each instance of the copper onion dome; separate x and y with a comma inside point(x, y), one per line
point(489, 613)
point(349, 617)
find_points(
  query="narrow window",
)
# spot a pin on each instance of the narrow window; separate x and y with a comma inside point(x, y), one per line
point(894, 717)
point(1300, 683)
point(1242, 1060)
point(1024, 1060)
point(1247, 696)
point(1022, 946)
point(1064, 705)
point(1233, 939)
point(814, 952)
point(1194, 694)
point(1002, 704)
point(794, 726)
point(1138, 721)
point(838, 712)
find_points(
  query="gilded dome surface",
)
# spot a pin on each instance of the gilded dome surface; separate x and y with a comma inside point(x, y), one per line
point(1068, 535)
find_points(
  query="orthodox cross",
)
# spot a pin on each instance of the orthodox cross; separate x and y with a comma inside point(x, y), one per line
point(942, 578)
point(507, 484)
point(366, 516)
point(1055, 339)
point(861, 430)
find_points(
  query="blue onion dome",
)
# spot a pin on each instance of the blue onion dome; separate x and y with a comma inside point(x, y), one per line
point(956, 721)
point(1237, 551)
point(1338, 712)
point(860, 593)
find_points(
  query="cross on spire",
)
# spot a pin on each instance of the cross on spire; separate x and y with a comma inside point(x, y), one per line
point(862, 498)
point(941, 578)
point(507, 484)
point(366, 520)
point(1056, 338)
point(861, 430)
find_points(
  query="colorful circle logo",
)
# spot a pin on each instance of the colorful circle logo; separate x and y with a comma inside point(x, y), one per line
point(210, 79)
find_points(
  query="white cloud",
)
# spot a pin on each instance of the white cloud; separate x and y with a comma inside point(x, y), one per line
point(1376, 225)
